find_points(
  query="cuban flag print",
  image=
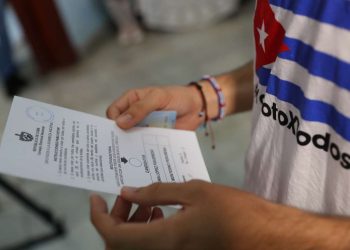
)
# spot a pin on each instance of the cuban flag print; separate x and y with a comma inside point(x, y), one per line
point(301, 130)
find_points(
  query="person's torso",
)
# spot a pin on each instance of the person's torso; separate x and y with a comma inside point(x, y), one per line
point(300, 149)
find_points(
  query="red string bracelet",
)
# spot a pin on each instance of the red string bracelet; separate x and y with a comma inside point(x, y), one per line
point(204, 112)
point(220, 95)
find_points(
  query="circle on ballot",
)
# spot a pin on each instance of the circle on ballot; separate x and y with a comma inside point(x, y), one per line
point(135, 162)
point(39, 114)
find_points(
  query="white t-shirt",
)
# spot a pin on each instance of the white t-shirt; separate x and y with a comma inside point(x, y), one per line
point(300, 148)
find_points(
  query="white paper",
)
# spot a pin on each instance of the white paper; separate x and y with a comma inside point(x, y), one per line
point(62, 146)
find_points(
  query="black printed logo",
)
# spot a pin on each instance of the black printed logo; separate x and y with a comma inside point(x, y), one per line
point(319, 141)
point(24, 136)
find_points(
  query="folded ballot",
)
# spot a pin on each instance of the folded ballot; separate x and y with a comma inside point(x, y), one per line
point(48, 143)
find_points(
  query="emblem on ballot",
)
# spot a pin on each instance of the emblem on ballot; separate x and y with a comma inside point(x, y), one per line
point(24, 136)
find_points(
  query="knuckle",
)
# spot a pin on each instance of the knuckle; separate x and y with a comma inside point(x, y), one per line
point(197, 188)
point(129, 92)
point(138, 111)
point(109, 111)
point(137, 107)
point(155, 188)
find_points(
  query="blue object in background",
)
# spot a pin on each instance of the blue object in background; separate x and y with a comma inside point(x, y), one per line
point(83, 20)
point(7, 66)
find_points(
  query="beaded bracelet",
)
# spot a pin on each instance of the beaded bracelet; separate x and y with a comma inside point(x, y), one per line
point(220, 96)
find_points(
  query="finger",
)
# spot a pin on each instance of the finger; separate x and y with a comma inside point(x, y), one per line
point(121, 104)
point(100, 218)
point(153, 100)
point(157, 214)
point(142, 214)
point(159, 194)
point(127, 235)
point(121, 209)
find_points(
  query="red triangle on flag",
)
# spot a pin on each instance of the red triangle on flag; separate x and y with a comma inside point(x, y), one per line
point(268, 33)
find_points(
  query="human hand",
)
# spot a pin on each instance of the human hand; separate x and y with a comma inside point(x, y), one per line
point(134, 105)
point(212, 217)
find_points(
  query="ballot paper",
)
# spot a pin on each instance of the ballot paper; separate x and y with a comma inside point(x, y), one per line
point(57, 145)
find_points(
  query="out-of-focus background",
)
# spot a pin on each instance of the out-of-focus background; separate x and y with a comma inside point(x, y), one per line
point(83, 54)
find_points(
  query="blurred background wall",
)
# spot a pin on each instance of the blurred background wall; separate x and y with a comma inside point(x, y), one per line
point(83, 19)
point(162, 42)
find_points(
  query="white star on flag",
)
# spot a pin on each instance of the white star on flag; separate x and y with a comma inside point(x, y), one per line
point(262, 35)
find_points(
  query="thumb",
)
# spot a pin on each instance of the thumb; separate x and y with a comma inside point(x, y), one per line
point(154, 100)
point(159, 194)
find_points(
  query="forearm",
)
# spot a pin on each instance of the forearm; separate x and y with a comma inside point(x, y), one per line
point(290, 228)
point(237, 87)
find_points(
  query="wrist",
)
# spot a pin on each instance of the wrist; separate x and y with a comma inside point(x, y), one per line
point(215, 95)
point(237, 88)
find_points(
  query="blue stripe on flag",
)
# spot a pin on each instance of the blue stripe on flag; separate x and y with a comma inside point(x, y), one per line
point(310, 110)
point(263, 75)
point(318, 63)
point(335, 12)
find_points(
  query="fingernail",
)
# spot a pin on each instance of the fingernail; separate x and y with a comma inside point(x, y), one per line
point(129, 190)
point(124, 118)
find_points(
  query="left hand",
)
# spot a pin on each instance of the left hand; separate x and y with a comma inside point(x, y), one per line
point(212, 217)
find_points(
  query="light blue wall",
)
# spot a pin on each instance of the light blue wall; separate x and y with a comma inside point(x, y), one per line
point(83, 19)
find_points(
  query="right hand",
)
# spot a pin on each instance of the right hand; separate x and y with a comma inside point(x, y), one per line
point(212, 217)
point(134, 105)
